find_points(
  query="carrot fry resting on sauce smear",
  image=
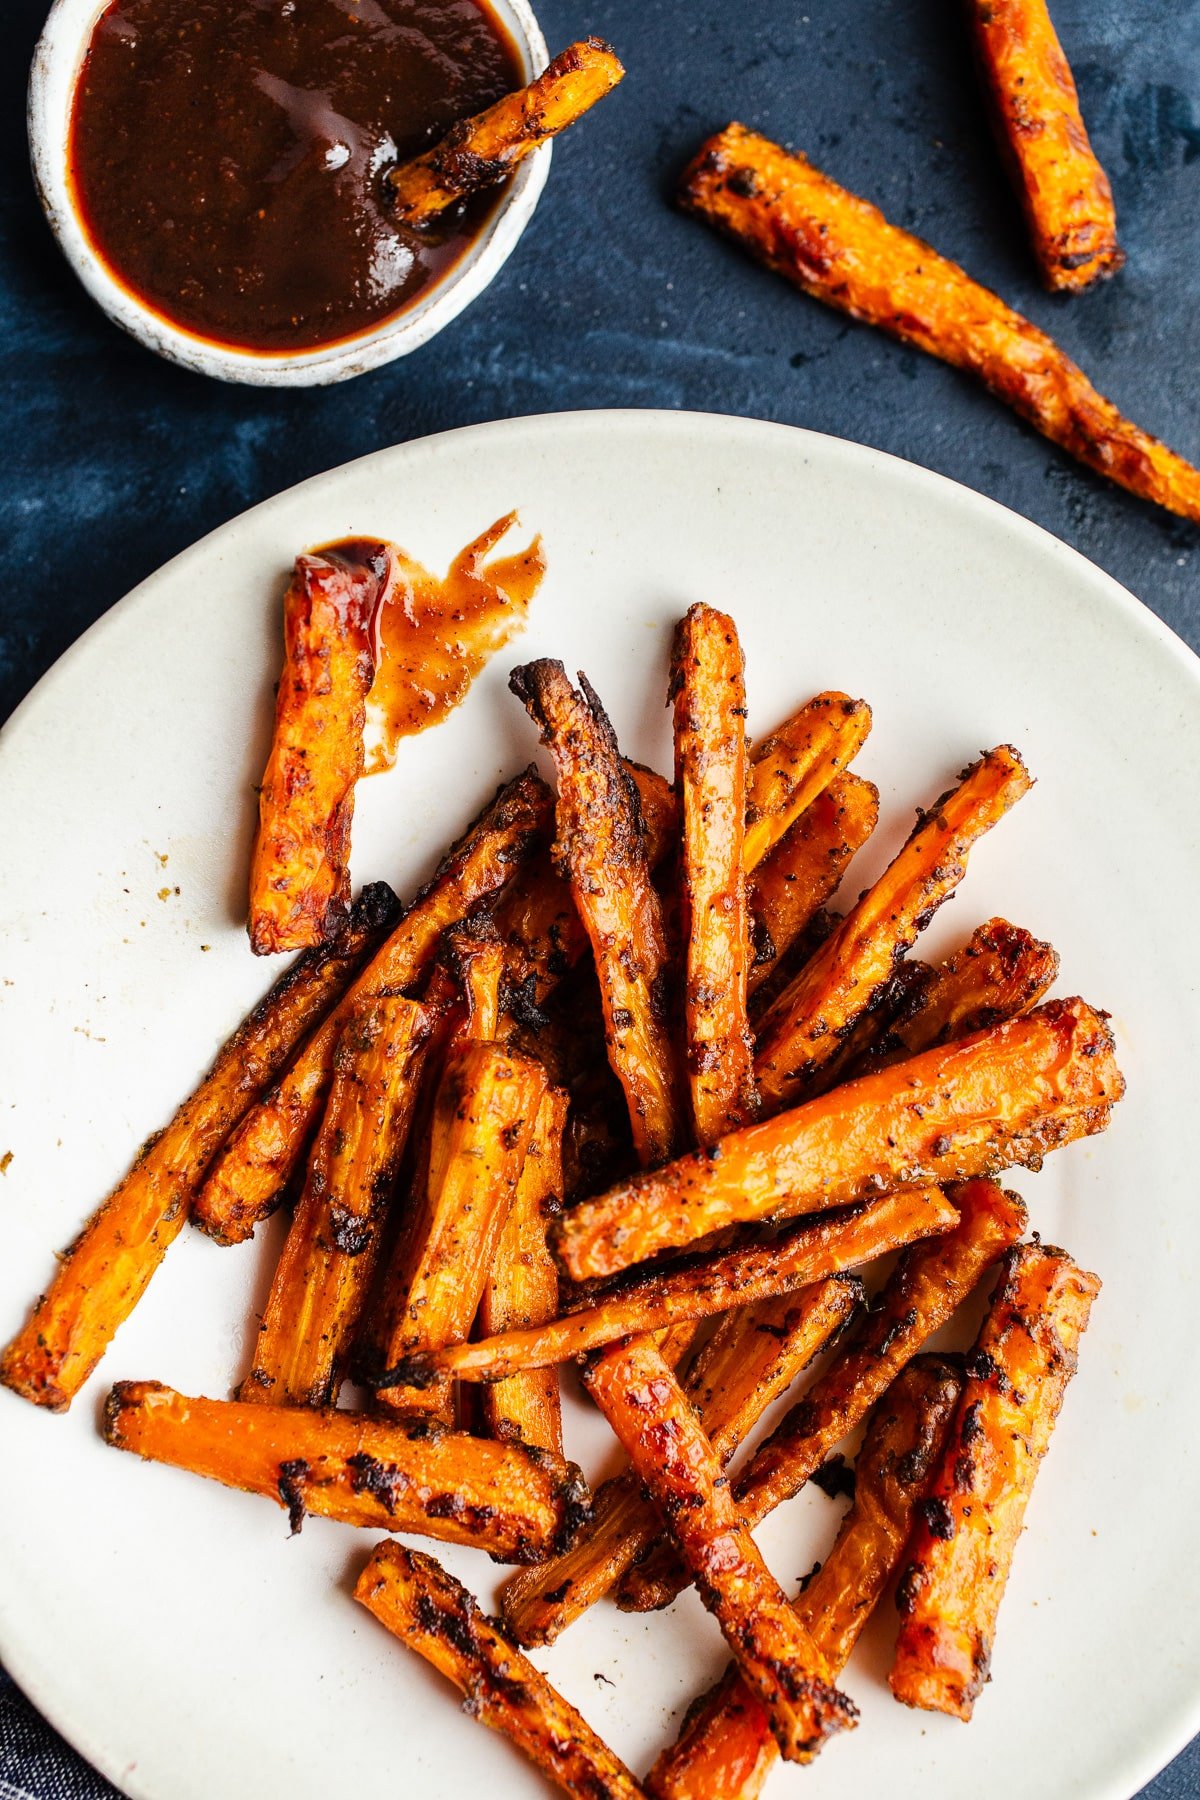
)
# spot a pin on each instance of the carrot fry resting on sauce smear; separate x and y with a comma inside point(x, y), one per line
point(1062, 188)
point(795, 763)
point(102, 1276)
point(433, 1614)
point(247, 1181)
point(962, 1549)
point(483, 151)
point(842, 250)
point(300, 868)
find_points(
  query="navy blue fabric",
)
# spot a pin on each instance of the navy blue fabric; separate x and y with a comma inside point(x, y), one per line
point(113, 460)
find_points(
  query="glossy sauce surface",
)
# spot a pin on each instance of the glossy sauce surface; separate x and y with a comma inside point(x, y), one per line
point(227, 155)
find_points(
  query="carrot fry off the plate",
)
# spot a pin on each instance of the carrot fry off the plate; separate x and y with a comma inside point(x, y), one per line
point(1017, 1374)
point(522, 1286)
point(808, 1021)
point(795, 763)
point(929, 1283)
point(384, 1474)
point(328, 1259)
point(600, 841)
point(433, 1614)
point(842, 250)
point(486, 1105)
point(708, 688)
point(104, 1274)
point(1063, 190)
point(1000, 973)
point(667, 1448)
point(248, 1179)
point(484, 150)
point(725, 1749)
point(750, 1360)
point(988, 1102)
point(300, 868)
point(795, 879)
point(700, 1288)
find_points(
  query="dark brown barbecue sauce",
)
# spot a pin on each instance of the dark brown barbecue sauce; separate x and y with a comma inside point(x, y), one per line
point(227, 156)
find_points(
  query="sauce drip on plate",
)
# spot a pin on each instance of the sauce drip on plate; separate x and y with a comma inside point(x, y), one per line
point(227, 156)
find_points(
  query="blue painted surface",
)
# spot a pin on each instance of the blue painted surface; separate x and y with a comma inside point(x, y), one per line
point(113, 461)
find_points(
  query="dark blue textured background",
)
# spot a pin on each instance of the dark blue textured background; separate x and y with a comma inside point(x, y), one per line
point(113, 461)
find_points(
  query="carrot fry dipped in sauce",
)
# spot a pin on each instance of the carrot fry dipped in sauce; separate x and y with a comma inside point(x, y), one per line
point(433, 1614)
point(328, 1259)
point(105, 1272)
point(1063, 190)
point(482, 151)
point(804, 1027)
point(667, 1448)
point(988, 1102)
point(300, 869)
point(383, 1474)
point(962, 1549)
point(842, 250)
point(725, 1749)
point(247, 1181)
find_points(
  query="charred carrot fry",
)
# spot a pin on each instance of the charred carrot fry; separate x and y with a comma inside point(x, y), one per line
point(803, 1029)
point(390, 1475)
point(328, 1258)
point(930, 1282)
point(725, 1750)
point(300, 868)
point(434, 1615)
point(842, 250)
point(795, 879)
point(104, 1274)
point(987, 1102)
point(750, 1360)
point(667, 1448)
point(708, 687)
point(1017, 1374)
point(1063, 190)
point(484, 150)
point(522, 1286)
point(699, 1289)
point(486, 1106)
point(602, 847)
point(796, 763)
point(248, 1179)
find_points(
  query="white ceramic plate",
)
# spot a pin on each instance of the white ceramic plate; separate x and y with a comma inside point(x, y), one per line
point(168, 1626)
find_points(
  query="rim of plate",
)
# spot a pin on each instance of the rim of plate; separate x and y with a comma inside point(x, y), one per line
point(1140, 1763)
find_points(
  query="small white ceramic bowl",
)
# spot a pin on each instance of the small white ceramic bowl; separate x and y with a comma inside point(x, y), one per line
point(56, 65)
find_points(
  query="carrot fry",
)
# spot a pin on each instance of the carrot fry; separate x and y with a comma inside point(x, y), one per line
point(328, 1259)
point(248, 1179)
point(842, 250)
point(1000, 973)
point(985, 1103)
point(700, 1288)
point(433, 1614)
point(668, 1450)
point(725, 1750)
point(709, 691)
point(391, 1475)
point(300, 867)
point(484, 1115)
point(104, 1274)
point(750, 1360)
point(478, 960)
point(1017, 1374)
point(795, 879)
point(601, 845)
point(484, 150)
point(808, 1021)
point(930, 1282)
point(1063, 190)
point(796, 763)
point(522, 1287)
